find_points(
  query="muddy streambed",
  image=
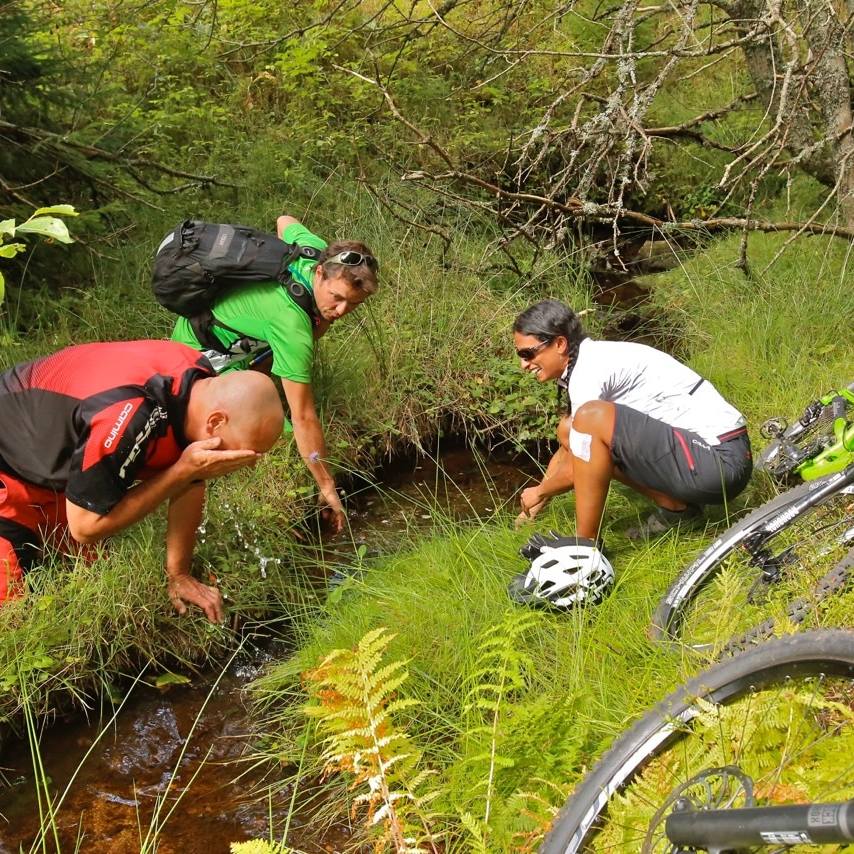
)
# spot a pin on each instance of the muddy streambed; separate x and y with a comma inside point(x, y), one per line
point(145, 759)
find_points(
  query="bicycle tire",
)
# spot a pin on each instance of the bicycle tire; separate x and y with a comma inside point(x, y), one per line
point(835, 582)
point(668, 618)
point(798, 435)
point(818, 653)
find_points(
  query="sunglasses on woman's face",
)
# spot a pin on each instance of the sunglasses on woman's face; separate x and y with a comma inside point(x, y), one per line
point(528, 353)
point(349, 258)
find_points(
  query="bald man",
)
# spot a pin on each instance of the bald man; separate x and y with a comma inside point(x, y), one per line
point(97, 436)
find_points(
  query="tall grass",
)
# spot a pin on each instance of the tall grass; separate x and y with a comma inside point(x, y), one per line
point(770, 342)
point(509, 708)
point(579, 677)
point(773, 338)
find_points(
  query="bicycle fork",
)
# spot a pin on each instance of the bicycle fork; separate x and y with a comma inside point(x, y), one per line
point(771, 565)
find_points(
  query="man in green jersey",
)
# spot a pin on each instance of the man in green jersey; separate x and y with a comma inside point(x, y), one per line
point(266, 317)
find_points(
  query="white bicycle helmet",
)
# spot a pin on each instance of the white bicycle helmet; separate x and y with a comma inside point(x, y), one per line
point(561, 576)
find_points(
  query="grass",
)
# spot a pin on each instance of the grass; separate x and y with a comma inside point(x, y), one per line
point(442, 599)
point(582, 677)
point(770, 343)
point(430, 353)
point(775, 338)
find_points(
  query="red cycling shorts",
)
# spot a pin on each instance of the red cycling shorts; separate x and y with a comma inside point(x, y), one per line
point(29, 515)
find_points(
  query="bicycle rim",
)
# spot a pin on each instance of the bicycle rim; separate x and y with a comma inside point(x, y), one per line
point(742, 590)
point(783, 714)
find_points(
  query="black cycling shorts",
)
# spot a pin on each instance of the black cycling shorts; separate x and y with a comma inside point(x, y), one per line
point(678, 462)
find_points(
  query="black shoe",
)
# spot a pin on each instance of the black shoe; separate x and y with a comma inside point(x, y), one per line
point(660, 521)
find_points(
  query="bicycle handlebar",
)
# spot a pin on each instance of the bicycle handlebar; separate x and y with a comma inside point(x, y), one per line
point(259, 357)
point(782, 825)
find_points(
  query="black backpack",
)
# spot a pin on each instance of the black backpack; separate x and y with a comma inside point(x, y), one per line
point(199, 262)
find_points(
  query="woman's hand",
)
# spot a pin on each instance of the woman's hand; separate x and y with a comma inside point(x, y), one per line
point(332, 511)
point(532, 501)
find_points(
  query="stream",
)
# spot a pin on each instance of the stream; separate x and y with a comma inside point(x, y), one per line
point(137, 773)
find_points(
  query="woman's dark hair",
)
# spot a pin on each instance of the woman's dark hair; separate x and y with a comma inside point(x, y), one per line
point(359, 277)
point(547, 320)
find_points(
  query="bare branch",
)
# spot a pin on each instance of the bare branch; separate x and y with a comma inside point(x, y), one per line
point(391, 205)
point(59, 143)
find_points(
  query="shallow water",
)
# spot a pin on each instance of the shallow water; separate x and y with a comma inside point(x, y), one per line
point(136, 760)
point(139, 759)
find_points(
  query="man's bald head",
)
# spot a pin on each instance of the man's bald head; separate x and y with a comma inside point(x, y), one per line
point(242, 407)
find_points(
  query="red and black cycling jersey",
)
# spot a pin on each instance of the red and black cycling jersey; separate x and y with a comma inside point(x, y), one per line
point(92, 419)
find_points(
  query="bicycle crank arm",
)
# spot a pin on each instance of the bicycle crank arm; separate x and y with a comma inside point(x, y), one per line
point(796, 824)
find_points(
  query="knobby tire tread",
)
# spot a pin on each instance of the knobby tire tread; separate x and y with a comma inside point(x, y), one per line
point(835, 582)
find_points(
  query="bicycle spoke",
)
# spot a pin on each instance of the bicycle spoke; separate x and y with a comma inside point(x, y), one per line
point(755, 584)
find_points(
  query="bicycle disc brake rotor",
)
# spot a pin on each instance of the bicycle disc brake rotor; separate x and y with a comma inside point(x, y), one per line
point(727, 787)
point(773, 428)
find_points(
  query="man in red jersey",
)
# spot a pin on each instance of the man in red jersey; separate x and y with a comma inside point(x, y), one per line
point(97, 436)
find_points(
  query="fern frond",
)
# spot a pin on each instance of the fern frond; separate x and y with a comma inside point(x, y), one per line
point(476, 830)
point(499, 674)
point(354, 698)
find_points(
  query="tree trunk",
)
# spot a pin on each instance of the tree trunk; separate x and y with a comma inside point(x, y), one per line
point(831, 88)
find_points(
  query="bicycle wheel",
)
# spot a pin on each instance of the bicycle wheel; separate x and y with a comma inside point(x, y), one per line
point(780, 715)
point(760, 565)
point(835, 582)
point(803, 439)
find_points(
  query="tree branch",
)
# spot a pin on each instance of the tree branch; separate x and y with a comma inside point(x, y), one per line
point(58, 143)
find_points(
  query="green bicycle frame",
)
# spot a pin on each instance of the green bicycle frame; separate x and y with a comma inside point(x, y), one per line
point(838, 455)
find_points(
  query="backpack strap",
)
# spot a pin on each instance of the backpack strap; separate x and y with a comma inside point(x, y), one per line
point(202, 324)
point(298, 292)
point(303, 297)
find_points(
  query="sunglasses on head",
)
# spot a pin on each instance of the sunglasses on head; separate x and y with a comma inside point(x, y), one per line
point(350, 258)
point(528, 353)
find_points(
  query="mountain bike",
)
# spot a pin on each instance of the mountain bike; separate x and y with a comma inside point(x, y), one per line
point(243, 356)
point(757, 750)
point(783, 559)
point(815, 445)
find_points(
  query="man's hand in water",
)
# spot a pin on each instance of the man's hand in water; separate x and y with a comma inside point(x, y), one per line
point(185, 590)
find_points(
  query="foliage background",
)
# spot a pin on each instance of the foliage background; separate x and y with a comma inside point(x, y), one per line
point(143, 114)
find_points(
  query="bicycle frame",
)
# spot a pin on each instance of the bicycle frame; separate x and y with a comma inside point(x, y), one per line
point(246, 361)
point(722, 830)
point(841, 453)
point(834, 458)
